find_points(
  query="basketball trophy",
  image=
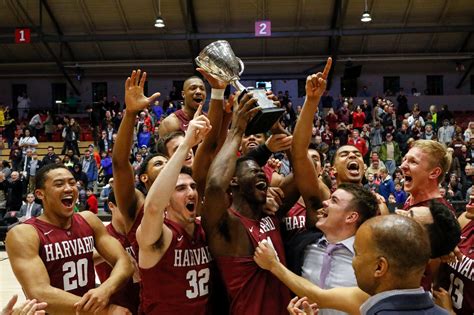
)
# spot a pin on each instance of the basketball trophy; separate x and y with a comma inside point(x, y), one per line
point(219, 60)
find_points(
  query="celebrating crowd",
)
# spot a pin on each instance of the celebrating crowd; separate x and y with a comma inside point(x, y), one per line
point(335, 211)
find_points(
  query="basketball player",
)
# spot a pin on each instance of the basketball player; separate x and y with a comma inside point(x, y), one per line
point(129, 295)
point(457, 278)
point(51, 255)
point(233, 233)
point(174, 257)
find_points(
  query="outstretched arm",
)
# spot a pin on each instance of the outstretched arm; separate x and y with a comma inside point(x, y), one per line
point(152, 228)
point(313, 190)
point(347, 299)
point(128, 197)
point(206, 150)
point(223, 167)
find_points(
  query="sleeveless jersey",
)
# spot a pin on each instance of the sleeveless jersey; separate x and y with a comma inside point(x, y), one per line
point(179, 282)
point(132, 234)
point(252, 290)
point(129, 295)
point(183, 119)
point(458, 278)
point(67, 254)
point(293, 222)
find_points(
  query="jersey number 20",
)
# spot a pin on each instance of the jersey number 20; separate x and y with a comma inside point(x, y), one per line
point(71, 269)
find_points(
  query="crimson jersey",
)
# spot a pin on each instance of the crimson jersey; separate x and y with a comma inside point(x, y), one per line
point(132, 234)
point(178, 283)
point(183, 119)
point(252, 290)
point(67, 254)
point(458, 278)
point(294, 221)
point(129, 295)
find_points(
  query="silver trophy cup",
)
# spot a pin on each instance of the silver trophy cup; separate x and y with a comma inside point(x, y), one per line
point(219, 60)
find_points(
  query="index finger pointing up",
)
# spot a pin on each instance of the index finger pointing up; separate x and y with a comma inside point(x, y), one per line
point(198, 112)
point(327, 68)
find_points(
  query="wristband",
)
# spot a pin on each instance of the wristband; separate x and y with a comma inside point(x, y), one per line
point(217, 94)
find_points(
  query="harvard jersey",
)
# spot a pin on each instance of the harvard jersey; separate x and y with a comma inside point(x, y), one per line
point(67, 254)
point(293, 222)
point(252, 290)
point(458, 278)
point(132, 234)
point(129, 295)
point(179, 282)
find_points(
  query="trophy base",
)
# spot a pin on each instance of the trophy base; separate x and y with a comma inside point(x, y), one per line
point(264, 120)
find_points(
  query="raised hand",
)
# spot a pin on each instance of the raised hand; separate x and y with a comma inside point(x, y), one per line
point(244, 112)
point(279, 142)
point(198, 128)
point(29, 307)
point(95, 300)
point(265, 256)
point(316, 83)
point(135, 100)
point(301, 306)
point(214, 82)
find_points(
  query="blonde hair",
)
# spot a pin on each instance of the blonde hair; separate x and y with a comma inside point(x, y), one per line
point(438, 155)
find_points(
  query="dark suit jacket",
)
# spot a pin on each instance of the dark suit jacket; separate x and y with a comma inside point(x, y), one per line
point(407, 304)
point(35, 211)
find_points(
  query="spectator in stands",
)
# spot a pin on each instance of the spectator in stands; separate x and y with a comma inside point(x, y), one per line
point(72, 156)
point(342, 133)
point(402, 136)
point(94, 120)
point(402, 103)
point(36, 124)
point(104, 144)
point(80, 175)
point(343, 114)
point(108, 119)
point(400, 195)
point(429, 133)
point(455, 167)
point(49, 126)
point(331, 120)
point(104, 194)
point(50, 157)
point(14, 187)
point(5, 168)
point(375, 166)
point(106, 166)
point(358, 118)
point(29, 209)
point(143, 137)
point(389, 118)
point(67, 162)
point(454, 189)
point(417, 130)
point(91, 204)
point(154, 139)
point(71, 134)
point(109, 129)
point(28, 141)
point(114, 105)
point(35, 165)
point(446, 133)
point(118, 120)
point(415, 116)
point(390, 154)
point(445, 114)
point(24, 103)
point(327, 136)
point(137, 162)
point(469, 132)
point(16, 158)
point(358, 142)
point(89, 167)
point(371, 184)
point(434, 116)
point(386, 186)
point(375, 136)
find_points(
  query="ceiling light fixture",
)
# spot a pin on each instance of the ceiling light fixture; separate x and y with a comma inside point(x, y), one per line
point(366, 15)
point(159, 23)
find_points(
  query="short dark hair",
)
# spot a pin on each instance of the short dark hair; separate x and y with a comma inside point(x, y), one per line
point(444, 232)
point(186, 170)
point(242, 160)
point(40, 177)
point(402, 241)
point(143, 167)
point(163, 141)
point(363, 201)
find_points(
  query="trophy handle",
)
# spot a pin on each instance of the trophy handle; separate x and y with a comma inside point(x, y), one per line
point(241, 66)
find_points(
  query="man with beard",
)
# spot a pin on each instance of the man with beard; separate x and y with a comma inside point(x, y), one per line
point(234, 232)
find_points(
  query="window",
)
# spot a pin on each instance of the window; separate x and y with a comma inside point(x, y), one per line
point(301, 87)
point(391, 85)
point(434, 84)
point(99, 91)
point(348, 86)
point(58, 93)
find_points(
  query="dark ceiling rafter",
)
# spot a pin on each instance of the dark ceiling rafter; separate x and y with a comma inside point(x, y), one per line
point(125, 23)
point(89, 23)
point(52, 38)
point(465, 42)
point(434, 37)
point(337, 22)
point(57, 27)
point(189, 16)
point(57, 60)
point(465, 75)
point(406, 16)
point(298, 19)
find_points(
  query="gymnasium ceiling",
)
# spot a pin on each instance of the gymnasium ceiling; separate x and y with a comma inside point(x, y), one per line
point(107, 37)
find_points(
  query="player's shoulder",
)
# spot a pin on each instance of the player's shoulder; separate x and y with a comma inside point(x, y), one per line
point(22, 234)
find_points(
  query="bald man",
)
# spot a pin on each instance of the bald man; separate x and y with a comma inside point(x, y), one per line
point(388, 275)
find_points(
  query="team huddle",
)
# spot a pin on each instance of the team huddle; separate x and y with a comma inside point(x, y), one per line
point(214, 230)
